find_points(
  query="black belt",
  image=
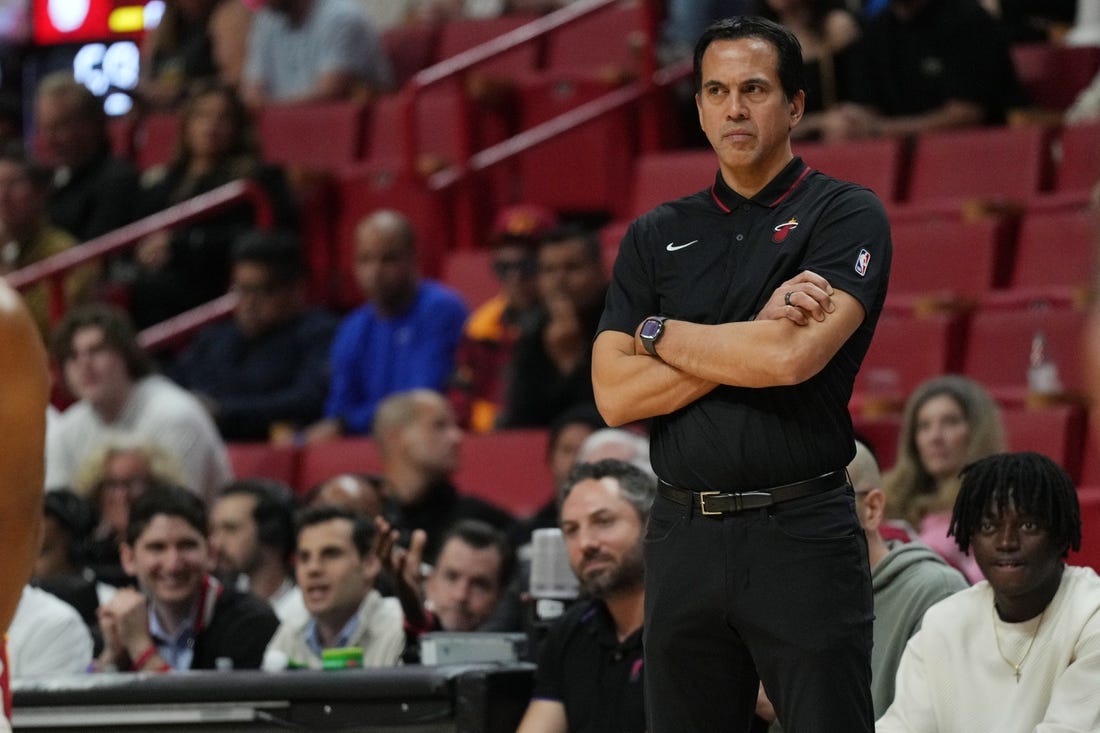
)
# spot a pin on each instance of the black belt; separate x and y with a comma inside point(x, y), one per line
point(713, 503)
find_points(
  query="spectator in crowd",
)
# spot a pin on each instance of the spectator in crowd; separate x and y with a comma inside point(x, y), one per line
point(1020, 652)
point(419, 443)
point(62, 564)
point(180, 50)
point(623, 445)
point(252, 540)
point(907, 578)
point(93, 191)
point(26, 387)
point(360, 492)
point(181, 268)
point(477, 390)
point(564, 439)
point(827, 31)
point(112, 379)
point(266, 370)
point(948, 422)
point(47, 638)
point(116, 470)
point(589, 675)
point(29, 236)
point(314, 50)
point(404, 337)
point(464, 588)
point(685, 21)
point(552, 361)
point(927, 65)
point(336, 568)
point(182, 617)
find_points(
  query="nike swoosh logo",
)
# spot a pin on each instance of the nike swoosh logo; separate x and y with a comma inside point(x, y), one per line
point(673, 247)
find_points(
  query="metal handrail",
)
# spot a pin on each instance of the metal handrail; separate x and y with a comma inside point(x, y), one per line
point(52, 269)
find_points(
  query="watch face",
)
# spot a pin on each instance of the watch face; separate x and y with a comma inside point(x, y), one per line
point(650, 328)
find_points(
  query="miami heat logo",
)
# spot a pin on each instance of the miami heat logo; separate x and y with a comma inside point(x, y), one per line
point(782, 230)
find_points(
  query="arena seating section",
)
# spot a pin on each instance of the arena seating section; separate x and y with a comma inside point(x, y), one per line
point(992, 230)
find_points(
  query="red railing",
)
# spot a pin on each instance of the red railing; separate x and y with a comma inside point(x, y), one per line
point(459, 175)
point(53, 269)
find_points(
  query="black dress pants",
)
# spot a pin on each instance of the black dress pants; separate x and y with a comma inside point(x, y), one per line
point(780, 595)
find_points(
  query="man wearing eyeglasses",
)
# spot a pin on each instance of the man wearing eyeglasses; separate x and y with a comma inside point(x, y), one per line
point(264, 372)
point(488, 340)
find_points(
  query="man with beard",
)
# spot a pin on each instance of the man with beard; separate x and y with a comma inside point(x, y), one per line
point(590, 672)
point(252, 540)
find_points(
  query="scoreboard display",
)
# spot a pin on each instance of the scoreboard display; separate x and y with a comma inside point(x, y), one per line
point(74, 21)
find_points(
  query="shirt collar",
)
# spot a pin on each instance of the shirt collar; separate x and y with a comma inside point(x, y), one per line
point(777, 190)
point(313, 638)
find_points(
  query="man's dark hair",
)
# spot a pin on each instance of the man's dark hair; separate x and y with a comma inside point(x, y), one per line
point(118, 335)
point(584, 413)
point(273, 511)
point(38, 174)
point(1031, 483)
point(570, 232)
point(278, 251)
point(480, 536)
point(362, 530)
point(787, 48)
point(638, 488)
point(172, 501)
point(77, 518)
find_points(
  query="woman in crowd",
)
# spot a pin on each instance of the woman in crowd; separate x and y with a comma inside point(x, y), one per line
point(948, 422)
point(182, 268)
point(115, 473)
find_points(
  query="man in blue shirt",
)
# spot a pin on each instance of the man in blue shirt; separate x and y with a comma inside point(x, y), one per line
point(404, 337)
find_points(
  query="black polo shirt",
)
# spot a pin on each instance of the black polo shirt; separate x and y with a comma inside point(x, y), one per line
point(596, 678)
point(715, 257)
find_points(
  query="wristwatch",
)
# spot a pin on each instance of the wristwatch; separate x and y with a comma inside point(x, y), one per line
point(651, 330)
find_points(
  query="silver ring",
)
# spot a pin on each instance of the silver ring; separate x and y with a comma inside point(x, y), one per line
point(787, 297)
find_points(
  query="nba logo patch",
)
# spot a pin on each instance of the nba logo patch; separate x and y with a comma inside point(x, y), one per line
point(862, 262)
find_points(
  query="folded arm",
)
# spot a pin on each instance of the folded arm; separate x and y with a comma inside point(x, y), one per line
point(695, 358)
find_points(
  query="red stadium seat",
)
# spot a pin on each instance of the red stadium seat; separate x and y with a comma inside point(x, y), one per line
point(876, 164)
point(470, 272)
point(264, 460)
point(1056, 431)
point(906, 350)
point(457, 36)
point(999, 344)
point(155, 137)
point(1078, 167)
point(1053, 75)
point(1090, 454)
point(1055, 251)
point(317, 136)
point(507, 468)
point(948, 257)
point(881, 433)
point(608, 44)
point(583, 169)
point(320, 461)
point(999, 165)
point(411, 47)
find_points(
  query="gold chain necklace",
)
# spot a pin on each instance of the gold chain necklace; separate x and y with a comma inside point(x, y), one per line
point(996, 637)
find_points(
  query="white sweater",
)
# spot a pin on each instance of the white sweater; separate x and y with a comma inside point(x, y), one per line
point(952, 679)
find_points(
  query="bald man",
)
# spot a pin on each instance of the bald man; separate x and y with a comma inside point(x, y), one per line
point(23, 399)
point(906, 577)
point(405, 336)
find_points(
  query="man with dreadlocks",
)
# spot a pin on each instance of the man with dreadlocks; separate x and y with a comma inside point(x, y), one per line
point(1020, 651)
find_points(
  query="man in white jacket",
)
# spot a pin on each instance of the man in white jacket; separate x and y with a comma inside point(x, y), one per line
point(1020, 651)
